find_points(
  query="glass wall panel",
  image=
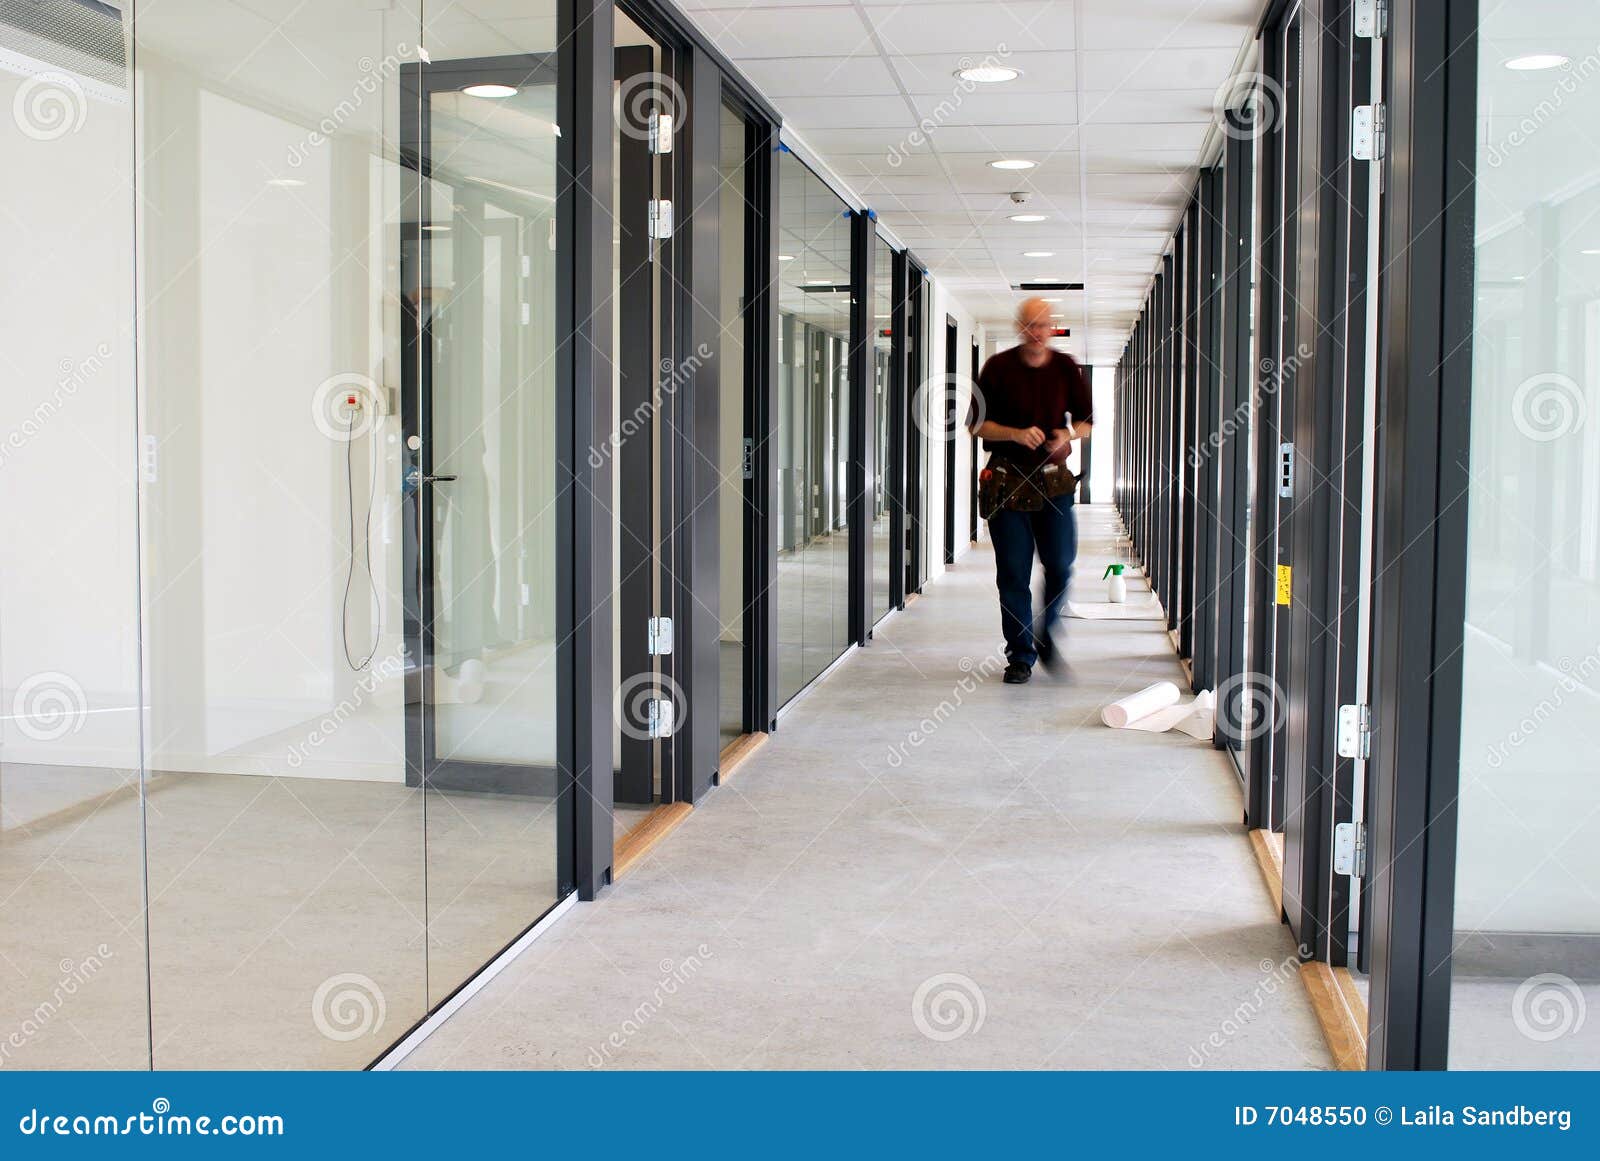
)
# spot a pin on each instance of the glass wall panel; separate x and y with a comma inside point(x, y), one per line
point(1527, 925)
point(732, 502)
point(72, 948)
point(813, 425)
point(285, 824)
point(882, 354)
point(484, 264)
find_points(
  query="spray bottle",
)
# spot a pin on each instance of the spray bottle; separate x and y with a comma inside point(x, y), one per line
point(1116, 587)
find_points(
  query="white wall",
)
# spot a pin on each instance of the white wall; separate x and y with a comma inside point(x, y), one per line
point(943, 304)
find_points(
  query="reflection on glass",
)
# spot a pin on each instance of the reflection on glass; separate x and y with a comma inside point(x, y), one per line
point(813, 426)
point(486, 408)
point(882, 352)
point(731, 422)
point(72, 949)
point(1528, 848)
point(285, 839)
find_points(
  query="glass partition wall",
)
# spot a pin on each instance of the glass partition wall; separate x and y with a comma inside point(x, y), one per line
point(812, 427)
point(294, 705)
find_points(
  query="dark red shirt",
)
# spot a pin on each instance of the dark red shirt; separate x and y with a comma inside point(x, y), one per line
point(1012, 393)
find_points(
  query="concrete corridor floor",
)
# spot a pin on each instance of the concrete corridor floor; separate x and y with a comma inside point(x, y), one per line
point(926, 868)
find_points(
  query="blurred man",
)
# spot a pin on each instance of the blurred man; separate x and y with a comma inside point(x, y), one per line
point(1029, 404)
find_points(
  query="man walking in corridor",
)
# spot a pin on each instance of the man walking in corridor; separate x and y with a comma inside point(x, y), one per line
point(1029, 404)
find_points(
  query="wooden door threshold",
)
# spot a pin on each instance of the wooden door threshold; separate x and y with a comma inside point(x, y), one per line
point(642, 839)
point(1335, 999)
point(738, 751)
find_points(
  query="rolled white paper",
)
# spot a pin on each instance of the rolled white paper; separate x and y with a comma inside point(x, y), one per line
point(1148, 700)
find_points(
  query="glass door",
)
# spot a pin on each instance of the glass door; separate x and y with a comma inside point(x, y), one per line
point(479, 280)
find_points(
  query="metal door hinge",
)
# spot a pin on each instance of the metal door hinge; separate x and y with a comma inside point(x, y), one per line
point(1368, 132)
point(661, 127)
point(663, 716)
point(1285, 470)
point(659, 632)
point(1371, 18)
point(1350, 849)
point(1353, 738)
point(660, 218)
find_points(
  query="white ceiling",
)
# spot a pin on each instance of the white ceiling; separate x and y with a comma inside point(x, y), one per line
point(1114, 102)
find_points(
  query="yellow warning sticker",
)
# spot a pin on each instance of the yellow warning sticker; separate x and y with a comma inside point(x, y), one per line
point(1283, 584)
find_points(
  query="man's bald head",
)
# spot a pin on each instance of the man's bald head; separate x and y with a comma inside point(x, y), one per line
point(1034, 325)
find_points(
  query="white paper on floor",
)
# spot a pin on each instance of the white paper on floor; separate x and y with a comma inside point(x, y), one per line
point(1136, 608)
point(1155, 709)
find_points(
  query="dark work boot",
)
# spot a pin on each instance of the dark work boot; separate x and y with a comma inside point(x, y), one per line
point(1017, 673)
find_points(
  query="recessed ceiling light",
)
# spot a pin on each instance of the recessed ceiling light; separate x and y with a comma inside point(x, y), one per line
point(1537, 61)
point(1038, 253)
point(493, 92)
point(285, 182)
point(1012, 163)
point(785, 257)
point(1592, 251)
point(988, 74)
point(819, 282)
point(1030, 217)
point(1050, 300)
point(439, 228)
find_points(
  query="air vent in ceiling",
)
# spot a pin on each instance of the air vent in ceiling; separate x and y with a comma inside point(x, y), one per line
point(81, 38)
point(1047, 286)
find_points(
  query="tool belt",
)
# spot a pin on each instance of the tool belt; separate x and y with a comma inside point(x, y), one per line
point(1005, 485)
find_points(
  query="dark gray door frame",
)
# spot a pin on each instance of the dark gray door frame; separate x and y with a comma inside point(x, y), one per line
point(1425, 390)
point(861, 416)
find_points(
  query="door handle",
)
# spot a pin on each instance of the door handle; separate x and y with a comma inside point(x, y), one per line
point(437, 479)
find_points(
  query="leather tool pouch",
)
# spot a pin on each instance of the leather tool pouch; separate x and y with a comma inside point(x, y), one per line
point(1003, 485)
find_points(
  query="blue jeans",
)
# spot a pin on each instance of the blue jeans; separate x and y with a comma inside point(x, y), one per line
point(1053, 531)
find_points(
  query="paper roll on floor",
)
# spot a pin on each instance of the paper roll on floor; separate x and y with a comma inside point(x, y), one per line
point(1119, 714)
